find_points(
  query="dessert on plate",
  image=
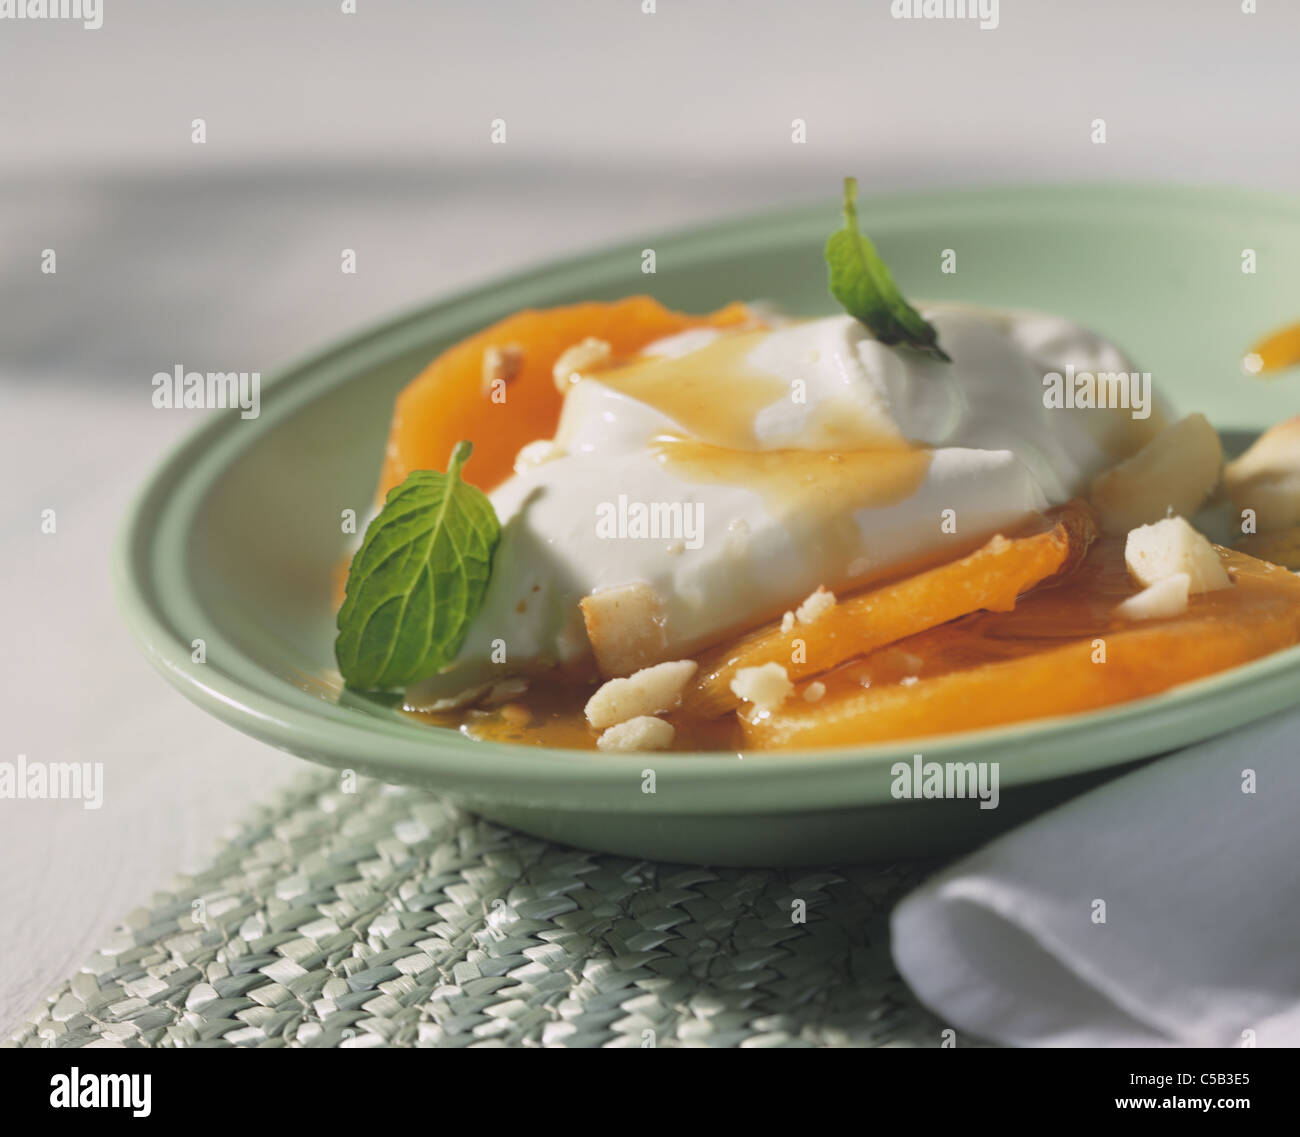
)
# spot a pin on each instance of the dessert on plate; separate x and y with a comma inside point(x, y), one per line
point(615, 526)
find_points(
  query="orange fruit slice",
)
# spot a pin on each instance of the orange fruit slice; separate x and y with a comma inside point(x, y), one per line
point(1058, 653)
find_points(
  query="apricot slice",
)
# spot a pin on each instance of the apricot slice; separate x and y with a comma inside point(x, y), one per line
point(992, 669)
point(989, 578)
point(449, 399)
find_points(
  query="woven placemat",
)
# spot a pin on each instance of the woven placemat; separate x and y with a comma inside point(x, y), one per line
point(387, 917)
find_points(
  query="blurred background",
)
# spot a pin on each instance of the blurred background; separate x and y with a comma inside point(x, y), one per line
point(372, 131)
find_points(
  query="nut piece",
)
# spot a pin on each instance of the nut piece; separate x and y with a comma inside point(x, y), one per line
point(625, 626)
point(501, 363)
point(1166, 597)
point(1267, 477)
point(641, 733)
point(648, 692)
point(766, 686)
point(818, 604)
point(1156, 552)
point(588, 355)
point(1172, 474)
point(814, 691)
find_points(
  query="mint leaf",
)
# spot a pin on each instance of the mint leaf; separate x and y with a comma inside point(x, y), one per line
point(418, 579)
point(860, 281)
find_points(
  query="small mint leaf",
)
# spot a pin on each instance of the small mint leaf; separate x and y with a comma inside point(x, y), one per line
point(861, 282)
point(418, 580)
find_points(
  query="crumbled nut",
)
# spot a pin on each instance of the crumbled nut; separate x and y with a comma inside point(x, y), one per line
point(501, 363)
point(814, 691)
point(649, 692)
point(641, 733)
point(1167, 597)
point(766, 686)
point(625, 626)
point(1153, 552)
point(787, 622)
point(817, 605)
point(588, 355)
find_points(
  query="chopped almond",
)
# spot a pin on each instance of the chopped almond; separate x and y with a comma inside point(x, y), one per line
point(645, 732)
point(649, 692)
point(1154, 552)
point(588, 355)
point(501, 364)
point(767, 686)
point(1167, 597)
point(626, 628)
point(818, 604)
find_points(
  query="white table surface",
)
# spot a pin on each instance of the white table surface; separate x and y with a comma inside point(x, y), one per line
point(371, 132)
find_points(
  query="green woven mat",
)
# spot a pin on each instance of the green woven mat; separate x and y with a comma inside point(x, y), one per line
point(388, 917)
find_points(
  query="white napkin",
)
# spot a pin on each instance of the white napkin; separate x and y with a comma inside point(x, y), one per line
point(1201, 884)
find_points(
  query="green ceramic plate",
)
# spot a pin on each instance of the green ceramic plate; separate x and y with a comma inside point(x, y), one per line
point(234, 539)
